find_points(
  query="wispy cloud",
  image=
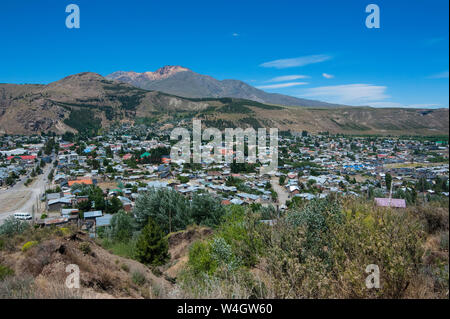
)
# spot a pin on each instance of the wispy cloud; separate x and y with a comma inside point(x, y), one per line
point(287, 78)
point(281, 85)
point(353, 94)
point(412, 106)
point(295, 62)
point(441, 75)
point(327, 76)
point(235, 34)
point(360, 94)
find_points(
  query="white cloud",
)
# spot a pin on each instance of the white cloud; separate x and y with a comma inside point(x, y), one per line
point(442, 75)
point(287, 78)
point(327, 76)
point(281, 85)
point(235, 34)
point(353, 94)
point(412, 106)
point(300, 61)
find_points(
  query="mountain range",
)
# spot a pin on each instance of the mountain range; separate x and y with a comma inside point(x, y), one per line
point(88, 103)
point(181, 81)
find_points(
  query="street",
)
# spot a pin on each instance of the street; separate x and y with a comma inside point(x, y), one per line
point(21, 198)
point(283, 195)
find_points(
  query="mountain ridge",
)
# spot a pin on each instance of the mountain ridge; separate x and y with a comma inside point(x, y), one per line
point(89, 103)
point(181, 81)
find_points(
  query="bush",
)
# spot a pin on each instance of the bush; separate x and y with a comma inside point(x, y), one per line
point(242, 231)
point(5, 272)
point(13, 226)
point(121, 228)
point(168, 208)
point(28, 245)
point(318, 251)
point(200, 259)
point(223, 255)
point(173, 212)
point(152, 246)
point(206, 210)
point(389, 239)
point(85, 248)
point(435, 218)
point(138, 278)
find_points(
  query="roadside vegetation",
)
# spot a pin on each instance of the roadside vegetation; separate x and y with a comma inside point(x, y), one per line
point(315, 249)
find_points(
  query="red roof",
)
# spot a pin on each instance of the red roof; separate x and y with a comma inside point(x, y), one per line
point(23, 157)
point(127, 156)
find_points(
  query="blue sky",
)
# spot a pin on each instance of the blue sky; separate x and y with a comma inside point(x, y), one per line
point(313, 49)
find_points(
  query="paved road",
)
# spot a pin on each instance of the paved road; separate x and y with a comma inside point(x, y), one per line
point(21, 198)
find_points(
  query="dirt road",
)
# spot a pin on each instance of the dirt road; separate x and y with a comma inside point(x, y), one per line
point(283, 195)
point(21, 198)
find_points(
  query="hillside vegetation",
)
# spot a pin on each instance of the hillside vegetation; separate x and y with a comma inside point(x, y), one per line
point(317, 249)
point(87, 102)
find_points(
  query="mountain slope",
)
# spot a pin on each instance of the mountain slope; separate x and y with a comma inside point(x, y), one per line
point(88, 103)
point(181, 81)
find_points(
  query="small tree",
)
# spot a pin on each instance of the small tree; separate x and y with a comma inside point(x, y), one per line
point(121, 226)
point(388, 180)
point(152, 246)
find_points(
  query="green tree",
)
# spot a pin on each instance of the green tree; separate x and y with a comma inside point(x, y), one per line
point(13, 226)
point(114, 205)
point(206, 210)
point(166, 207)
point(121, 227)
point(152, 247)
point(388, 180)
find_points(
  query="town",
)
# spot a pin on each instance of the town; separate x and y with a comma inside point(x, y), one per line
point(50, 173)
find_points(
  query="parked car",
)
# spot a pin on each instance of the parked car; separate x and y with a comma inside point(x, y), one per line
point(23, 216)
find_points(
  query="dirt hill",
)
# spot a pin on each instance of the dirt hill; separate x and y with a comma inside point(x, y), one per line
point(40, 272)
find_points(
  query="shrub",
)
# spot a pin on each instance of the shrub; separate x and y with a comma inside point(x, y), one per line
point(28, 245)
point(121, 227)
point(201, 260)
point(12, 226)
point(152, 246)
point(435, 218)
point(65, 231)
point(15, 287)
point(242, 231)
point(5, 272)
point(85, 248)
point(389, 239)
point(206, 210)
point(222, 254)
point(167, 208)
point(138, 278)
